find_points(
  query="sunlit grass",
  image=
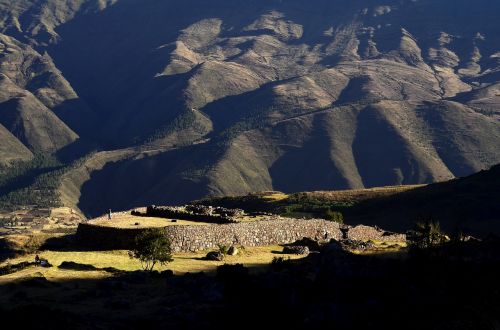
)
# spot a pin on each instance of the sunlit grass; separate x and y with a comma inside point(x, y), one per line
point(130, 221)
point(119, 259)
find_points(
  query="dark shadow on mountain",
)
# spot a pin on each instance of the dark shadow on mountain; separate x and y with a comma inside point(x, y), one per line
point(168, 178)
point(246, 107)
point(308, 167)
point(117, 71)
point(76, 150)
point(78, 116)
point(354, 92)
point(448, 149)
point(381, 154)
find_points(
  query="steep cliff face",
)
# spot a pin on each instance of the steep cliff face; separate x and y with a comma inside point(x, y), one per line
point(242, 96)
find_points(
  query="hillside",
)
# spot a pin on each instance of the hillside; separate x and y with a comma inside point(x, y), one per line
point(169, 101)
point(11, 149)
point(468, 205)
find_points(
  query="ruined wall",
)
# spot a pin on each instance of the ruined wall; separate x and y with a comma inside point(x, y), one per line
point(257, 233)
point(194, 238)
point(201, 213)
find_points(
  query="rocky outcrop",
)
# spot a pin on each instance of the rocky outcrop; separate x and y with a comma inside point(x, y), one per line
point(299, 249)
point(364, 233)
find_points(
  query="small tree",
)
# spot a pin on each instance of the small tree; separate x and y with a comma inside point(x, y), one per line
point(152, 246)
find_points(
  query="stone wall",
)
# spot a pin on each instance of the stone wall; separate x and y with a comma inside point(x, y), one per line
point(365, 233)
point(203, 237)
point(257, 233)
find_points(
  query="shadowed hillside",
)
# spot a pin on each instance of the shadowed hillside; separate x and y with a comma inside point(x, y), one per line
point(468, 205)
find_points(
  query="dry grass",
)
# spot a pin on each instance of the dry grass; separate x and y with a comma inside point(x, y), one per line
point(119, 259)
point(380, 248)
point(360, 194)
point(129, 221)
point(275, 196)
point(126, 220)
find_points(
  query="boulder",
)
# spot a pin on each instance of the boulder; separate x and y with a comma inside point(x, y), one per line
point(312, 244)
point(357, 245)
point(298, 249)
point(214, 256)
point(233, 250)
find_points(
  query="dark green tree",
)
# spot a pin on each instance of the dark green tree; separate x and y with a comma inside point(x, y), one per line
point(152, 246)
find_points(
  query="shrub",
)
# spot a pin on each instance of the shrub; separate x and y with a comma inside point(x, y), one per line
point(223, 249)
point(333, 216)
point(33, 244)
point(427, 233)
point(152, 246)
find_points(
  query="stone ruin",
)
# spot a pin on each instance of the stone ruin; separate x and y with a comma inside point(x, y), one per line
point(194, 212)
point(211, 210)
point(190, 238)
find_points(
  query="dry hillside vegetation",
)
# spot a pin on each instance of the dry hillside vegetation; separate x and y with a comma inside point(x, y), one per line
point(240, 96)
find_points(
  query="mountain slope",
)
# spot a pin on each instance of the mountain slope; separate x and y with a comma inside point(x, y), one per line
point(32, 123)
point(240, 96)
point(11, 149)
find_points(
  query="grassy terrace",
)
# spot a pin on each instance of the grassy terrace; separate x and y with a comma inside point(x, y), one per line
point(119, 259)
point(130, 221)
point(126, 220)
point(258, 258)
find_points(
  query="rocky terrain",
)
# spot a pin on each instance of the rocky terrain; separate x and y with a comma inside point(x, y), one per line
point(182, 100)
